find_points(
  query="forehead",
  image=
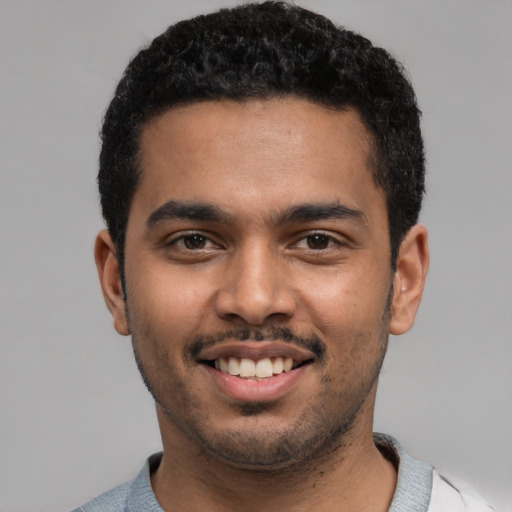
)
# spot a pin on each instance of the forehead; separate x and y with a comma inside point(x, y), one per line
point(260, 153)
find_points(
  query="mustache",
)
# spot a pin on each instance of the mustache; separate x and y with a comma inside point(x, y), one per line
point(310, 342)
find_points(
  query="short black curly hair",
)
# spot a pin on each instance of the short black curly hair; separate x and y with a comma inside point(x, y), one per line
point(266, 50)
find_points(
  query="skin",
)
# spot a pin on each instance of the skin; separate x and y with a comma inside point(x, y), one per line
point(256, 260)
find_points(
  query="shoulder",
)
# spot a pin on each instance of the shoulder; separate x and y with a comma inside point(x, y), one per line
point(133, 496)
point(420, 488)
point(446, 497)
point(110, 501)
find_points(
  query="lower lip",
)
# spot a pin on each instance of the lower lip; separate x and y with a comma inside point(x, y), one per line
point(266, 390)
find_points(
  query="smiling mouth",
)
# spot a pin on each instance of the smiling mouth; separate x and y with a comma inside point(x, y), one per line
point(255, 369)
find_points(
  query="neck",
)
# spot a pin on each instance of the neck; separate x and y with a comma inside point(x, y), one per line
point(352, 476)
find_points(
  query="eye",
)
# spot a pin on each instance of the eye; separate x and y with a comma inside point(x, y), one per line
point(318, 241)
point(193, 242)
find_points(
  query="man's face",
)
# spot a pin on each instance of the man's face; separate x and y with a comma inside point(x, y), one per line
point(257, 240)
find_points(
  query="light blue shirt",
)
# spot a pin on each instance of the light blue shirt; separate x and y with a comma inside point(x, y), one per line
point(413, 490)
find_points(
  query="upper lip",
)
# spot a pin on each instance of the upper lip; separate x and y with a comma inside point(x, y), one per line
point(255, 350)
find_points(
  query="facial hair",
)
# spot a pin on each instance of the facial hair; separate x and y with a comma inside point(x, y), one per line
point(322, 427)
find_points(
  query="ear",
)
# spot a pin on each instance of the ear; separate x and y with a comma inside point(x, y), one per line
point(409, 279)
point(110, 280)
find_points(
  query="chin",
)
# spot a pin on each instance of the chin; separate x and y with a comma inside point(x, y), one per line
point(263, 446)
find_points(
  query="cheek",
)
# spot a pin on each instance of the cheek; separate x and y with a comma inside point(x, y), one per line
point(171, 305)
point(348, 310)
point(346, 300)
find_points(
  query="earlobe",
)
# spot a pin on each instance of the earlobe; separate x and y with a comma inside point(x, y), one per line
point(409, 279)
point(110, 280)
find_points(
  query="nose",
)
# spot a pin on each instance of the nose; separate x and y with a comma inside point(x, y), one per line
point(255, 289)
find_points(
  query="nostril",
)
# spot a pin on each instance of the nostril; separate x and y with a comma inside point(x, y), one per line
point(253, 307)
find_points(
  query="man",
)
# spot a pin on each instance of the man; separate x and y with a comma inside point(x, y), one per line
point(261, 177)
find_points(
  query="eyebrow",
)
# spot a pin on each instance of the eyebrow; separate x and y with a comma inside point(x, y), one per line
point(180, 210)
point(311, 212)
point(308, 212)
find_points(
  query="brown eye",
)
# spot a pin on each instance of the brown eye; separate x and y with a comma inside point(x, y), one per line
point(318, 241)
point(194, 241)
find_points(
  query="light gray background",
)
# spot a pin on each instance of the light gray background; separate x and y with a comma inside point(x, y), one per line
point(75, 418)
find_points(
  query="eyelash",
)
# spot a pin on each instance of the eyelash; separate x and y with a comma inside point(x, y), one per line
point(321, 236)
point(324, 237)
point(184, 237)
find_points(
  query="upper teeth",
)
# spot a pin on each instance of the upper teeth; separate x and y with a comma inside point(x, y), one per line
point(261, 368)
